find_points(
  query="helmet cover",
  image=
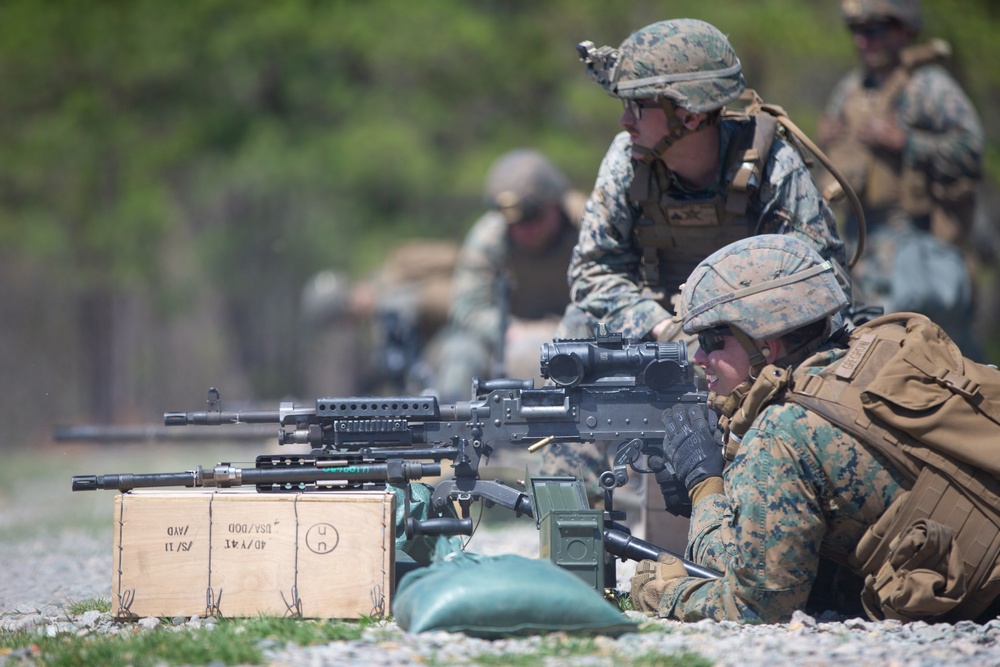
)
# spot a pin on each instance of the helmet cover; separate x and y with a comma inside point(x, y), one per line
point(766, 286)
point(907, 12)
point(688, 61)
point(522, 182)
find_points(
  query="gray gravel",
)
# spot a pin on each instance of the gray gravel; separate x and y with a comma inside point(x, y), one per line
point(42, 571)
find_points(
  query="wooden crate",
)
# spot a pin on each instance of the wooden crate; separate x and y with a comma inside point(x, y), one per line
point(240, 553)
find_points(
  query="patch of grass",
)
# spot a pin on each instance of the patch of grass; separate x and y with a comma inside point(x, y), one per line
point(78, 607)
point(229, 642)
point(303, 632)
point(655, 659)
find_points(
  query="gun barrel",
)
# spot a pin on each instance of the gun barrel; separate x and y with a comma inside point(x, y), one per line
point(129, 481)
point(333, 472)
point(225, 476)
point(621, 544)
point(217, 418)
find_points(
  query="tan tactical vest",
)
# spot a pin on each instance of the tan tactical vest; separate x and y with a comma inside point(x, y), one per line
point(538, 285)
point(882, 180)
point(904, 389)
point(674, 234)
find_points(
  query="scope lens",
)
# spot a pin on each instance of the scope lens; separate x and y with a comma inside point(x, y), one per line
point(566, 370)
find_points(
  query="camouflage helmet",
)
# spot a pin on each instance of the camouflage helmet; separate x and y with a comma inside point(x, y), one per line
point(906, 12)
point(686, 61)
point(522, 182)
point(766, 286)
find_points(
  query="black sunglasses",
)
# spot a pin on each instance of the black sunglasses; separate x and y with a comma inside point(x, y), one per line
point(712, 340)
point(635, 107)
point(873, 30)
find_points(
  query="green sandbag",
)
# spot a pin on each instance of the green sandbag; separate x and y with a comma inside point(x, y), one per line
point(500, 596)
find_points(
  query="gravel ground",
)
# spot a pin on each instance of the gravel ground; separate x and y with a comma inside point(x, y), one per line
point(49, 559)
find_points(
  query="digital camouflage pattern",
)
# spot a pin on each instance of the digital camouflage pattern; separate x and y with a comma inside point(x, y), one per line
point(687, 61)
point(604, 272)
point(764, 285)
point(798, 487)
point(584, 460)
point(692, 64)
point(537, 294)
point(906, 12)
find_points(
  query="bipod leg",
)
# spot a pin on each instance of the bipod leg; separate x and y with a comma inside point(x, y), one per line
point(610, 561)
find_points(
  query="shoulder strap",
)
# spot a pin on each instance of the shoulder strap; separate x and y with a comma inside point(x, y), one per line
point(838, 399)
point(911, 58)
point(745, 169)
point(753, 106)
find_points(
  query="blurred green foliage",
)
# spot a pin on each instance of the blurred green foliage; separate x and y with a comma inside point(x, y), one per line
point(254, 142)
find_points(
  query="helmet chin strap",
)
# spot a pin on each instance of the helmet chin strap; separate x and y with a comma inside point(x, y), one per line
point(733, 419)
point(757, 355)
point(676, 130)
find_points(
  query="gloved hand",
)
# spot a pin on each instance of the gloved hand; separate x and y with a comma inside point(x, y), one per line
point(650, 580)
point(675, 496)
point(689, 445)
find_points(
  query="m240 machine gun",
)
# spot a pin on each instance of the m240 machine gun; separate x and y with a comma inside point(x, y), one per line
point(605, 389)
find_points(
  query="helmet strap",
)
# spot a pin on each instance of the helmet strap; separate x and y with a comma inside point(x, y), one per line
point(757, 360)
point(676, 130)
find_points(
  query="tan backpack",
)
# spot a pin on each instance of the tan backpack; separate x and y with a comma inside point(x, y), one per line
point(905, 389)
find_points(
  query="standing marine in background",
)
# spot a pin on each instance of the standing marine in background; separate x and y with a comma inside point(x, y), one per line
point(909, 141)
point(509, 288)
point(686, 177)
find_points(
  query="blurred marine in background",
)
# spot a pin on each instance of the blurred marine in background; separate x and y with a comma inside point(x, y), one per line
point(368, 337)
point(910, 143)
point(509, 288)
point(437, 313)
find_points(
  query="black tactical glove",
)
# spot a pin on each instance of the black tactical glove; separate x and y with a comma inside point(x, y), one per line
point(689, 445)
point(675, 496)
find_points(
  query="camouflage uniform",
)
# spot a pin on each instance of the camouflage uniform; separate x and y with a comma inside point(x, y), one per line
point(607, 282)
point(799, 490)
point(921, 200)
point(603, 271)
point(519, 184)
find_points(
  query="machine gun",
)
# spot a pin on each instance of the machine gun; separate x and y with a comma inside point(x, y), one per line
point(605, 389)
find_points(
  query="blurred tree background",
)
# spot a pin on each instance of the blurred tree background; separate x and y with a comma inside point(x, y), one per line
point(172, 173)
